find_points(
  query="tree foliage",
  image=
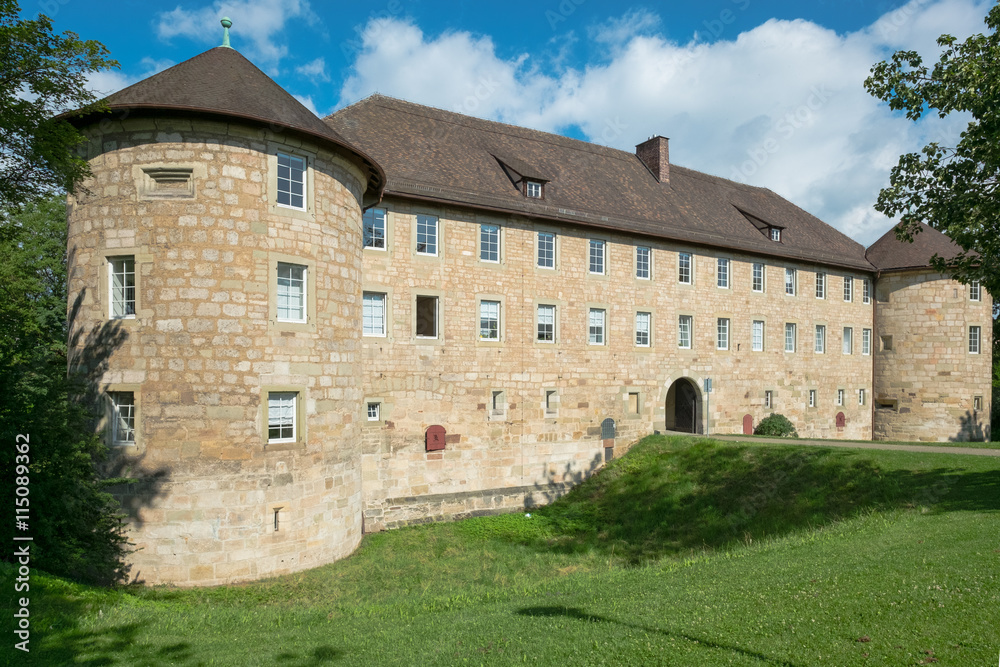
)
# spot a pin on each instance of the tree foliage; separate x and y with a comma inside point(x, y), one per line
point(42, 75)
point(951, 188)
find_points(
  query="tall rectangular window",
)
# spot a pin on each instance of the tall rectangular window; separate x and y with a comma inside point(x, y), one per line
point(840, 397)
point(642, 329)
point(812, 398)
point(768, 399)
point(291, 292)
point(546, 250)
point(974, 339)
point(820, 347)
point(596, 326)
point(975, 292)
point(722, 334)
point(758, 277)
point(489, 243)
point(121, 287)
point(848, 288)
point(722, 273)
point(597, 249)
point(427, 316)
point(546, 324)
point(291, 181)
point(861, 396)
point(866, 291)
point(642, 268)
point(373, 224)
point(281, 424)
point(427, 235)
point(790, 336)
point(848, 344)
point(684, 267)
point(489, 320)
point(757, 335)
point(122, 417)
point(866, 341)
point(820, 285)
point(790, 282)
point(684, 323)
point(373, 314)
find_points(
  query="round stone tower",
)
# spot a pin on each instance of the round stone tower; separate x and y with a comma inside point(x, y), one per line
point(215, 281)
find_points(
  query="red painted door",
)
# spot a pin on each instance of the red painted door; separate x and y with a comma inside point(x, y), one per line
point(747, 425)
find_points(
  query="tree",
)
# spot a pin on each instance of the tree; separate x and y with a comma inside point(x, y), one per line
point(42, 75)
point(953, 189)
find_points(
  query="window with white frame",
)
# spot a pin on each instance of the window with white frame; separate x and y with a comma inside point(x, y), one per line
point(121, 287)
point(291, 181)
point(489, 243)
point(684, 325)
point(427, 316)
point(757, 283)
point(374, 411)
point(489, 320)
point(975, 335)
point(597, 250)
point(848, 340)
point(768, 399)
point(546, 323)
point(642, 329)
point(722, 333)
point(866, 291)
point(790, 336)
point(291, 292)
point(775, 234)
point(122, 417)
point(642, 263)
point(546, 250)
point(533, 189)
point(790, 282)
point(848, 288)
point(820, 346)
point(373, 225)
point(866, 341)
point(684, 267)
point(373, 314)
point(840, 397)
point(596, 326)
point(281, 416)
point(820, 285)
point(427, 235)
point(757, 335)
point(722, 273)
point(812, 398)
point(975, 292)
point(861, 396)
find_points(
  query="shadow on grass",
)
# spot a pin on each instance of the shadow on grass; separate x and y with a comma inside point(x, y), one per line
point(670, 497)
point(579, 614)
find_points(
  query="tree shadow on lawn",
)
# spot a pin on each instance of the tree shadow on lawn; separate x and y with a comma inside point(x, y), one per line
point(668, 499)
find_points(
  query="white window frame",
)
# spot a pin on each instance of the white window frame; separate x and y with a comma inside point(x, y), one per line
point(288, 193)
point(975, 339)
point(374, 229)
point(597, 257)
point(643, 262)
point(290, 290)
point(685, 329)
point(489, 320)
point(819, 342)
point(861, 396)
point(866, 342)
point(848, 289)
point(791, 280)
point(123, 417)
point(374, 411)
point(722, 333)
point(597, 326)
point(427, 228)
point(283, 402)
point(847, 343)
point(722, 265)
point(975, 291)
point(775, 234)
point(757, 336)
point(768, 399)
point(533, 189)
point(866, 291)
point(546, 252)
point(643, 320)
point(121, 270)
point(539, 323)
point(685, 268)
point(792, 328)
point(840, 397)
point(372, 315)
point(489, 243)
point(820, 285)
point(757, 274)
point(812, 398)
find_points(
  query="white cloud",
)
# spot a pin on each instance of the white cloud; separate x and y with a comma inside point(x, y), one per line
point(307, 101)
point(315, 70)
point(257, 25)
point(781, 105)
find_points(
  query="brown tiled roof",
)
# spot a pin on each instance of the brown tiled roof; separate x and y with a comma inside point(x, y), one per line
point(889, 253)
point(444, 156)
point(222, 82)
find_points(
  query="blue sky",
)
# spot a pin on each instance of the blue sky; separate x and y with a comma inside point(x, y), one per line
point(768, 93)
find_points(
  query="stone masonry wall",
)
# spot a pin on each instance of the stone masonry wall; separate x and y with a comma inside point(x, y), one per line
point(204, 347)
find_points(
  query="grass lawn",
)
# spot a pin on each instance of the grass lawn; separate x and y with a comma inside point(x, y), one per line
point(683, 552)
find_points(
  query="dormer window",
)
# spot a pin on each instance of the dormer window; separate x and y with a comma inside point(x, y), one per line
point(776, 234)
point(533, 189)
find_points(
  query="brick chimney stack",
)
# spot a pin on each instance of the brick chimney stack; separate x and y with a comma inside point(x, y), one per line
point(655, 154)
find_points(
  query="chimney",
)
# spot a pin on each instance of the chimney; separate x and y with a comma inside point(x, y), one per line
point(655, 154)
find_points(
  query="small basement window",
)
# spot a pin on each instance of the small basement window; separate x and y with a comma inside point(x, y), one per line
point(890, 404)
point(886, 343)
point(374, 412)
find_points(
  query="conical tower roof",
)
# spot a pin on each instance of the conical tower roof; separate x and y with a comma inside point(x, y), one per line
point(889, 253)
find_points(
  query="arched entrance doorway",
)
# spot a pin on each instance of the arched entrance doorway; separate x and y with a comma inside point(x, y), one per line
point(683, 409)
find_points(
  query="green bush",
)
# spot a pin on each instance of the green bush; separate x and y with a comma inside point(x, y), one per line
point(776, 425)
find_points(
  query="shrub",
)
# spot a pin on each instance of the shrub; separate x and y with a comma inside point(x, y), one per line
point(776, 425)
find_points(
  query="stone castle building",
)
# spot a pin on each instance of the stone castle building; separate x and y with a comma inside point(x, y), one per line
point(320, 328)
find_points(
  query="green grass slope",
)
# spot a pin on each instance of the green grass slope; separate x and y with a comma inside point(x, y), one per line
point(683, 552)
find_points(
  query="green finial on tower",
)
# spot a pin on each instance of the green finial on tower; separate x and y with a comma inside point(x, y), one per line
point(226, 25)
